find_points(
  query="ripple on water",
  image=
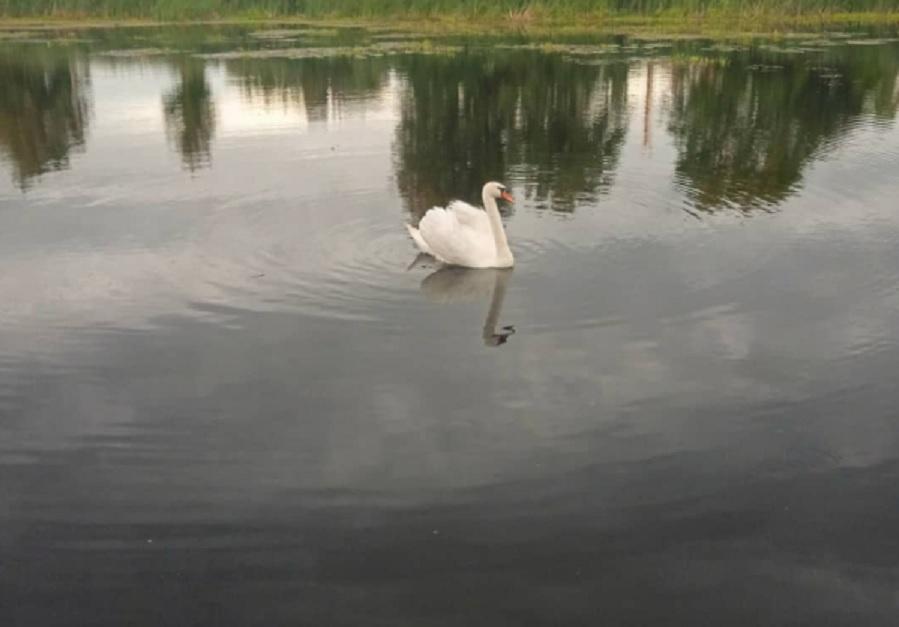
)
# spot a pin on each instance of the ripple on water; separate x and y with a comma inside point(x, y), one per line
point(352, 271)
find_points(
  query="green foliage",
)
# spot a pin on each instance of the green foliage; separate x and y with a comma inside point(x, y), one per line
point(193, 9)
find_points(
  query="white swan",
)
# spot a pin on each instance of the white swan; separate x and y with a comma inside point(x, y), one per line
point(462, 235)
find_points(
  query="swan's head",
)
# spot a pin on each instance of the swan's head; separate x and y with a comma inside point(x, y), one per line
point(497, 190)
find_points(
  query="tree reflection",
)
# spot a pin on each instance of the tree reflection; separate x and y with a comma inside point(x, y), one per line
point(569, 130)
point(189, 113)
point(44, 110)
point(746, 125)
point(321, 87)
point(470, 118)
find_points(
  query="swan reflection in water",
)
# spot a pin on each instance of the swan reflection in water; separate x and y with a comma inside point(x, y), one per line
point(452, 284)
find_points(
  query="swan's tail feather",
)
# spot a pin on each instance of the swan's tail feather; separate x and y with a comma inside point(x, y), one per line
point(418, 239)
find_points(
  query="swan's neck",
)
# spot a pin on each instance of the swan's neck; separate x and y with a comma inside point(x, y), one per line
point(503, 253)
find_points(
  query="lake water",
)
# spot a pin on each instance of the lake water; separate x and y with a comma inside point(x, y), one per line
point(231, 395)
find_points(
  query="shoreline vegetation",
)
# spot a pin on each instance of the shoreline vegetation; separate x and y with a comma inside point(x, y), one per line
point(697, 17)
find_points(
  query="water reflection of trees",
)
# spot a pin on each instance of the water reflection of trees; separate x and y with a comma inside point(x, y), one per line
point(189, 112)
point(44, 110)
point(745, 126)
point(468, 118)
point(321, 87)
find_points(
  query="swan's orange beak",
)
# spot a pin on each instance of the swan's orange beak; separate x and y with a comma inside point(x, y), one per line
point(507, 196)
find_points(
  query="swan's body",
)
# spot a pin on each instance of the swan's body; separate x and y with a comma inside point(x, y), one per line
point(462, 235)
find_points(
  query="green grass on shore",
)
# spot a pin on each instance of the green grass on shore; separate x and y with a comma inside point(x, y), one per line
point(671, 16)
point(512, 9)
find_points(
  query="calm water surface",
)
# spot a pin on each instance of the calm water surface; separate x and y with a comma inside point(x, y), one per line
point(231, 395)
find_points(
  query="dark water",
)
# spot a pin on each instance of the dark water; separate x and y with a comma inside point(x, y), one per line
point(225, 400)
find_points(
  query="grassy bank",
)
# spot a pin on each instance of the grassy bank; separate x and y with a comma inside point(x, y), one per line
point(539, 10)
point(669, 16)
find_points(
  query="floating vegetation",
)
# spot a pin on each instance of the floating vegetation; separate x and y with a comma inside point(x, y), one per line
point(590, 50)
point(684, 59)
point(824, 70)
point(322, 52)
point(569, 49)
point(14, 35)
point(797, 50)
point(724, 48)
point(45, 41)
point(390, 35)
point(656, 45)
point(762, 67)
point(137, 53)
point(293, 33)
point(820, 42)
point(589, 61)
point(870, 42)
point(643, 48)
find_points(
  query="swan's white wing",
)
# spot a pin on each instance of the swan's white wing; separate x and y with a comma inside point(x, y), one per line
point(456, 241)
point(419, 240)
point(469, 215)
